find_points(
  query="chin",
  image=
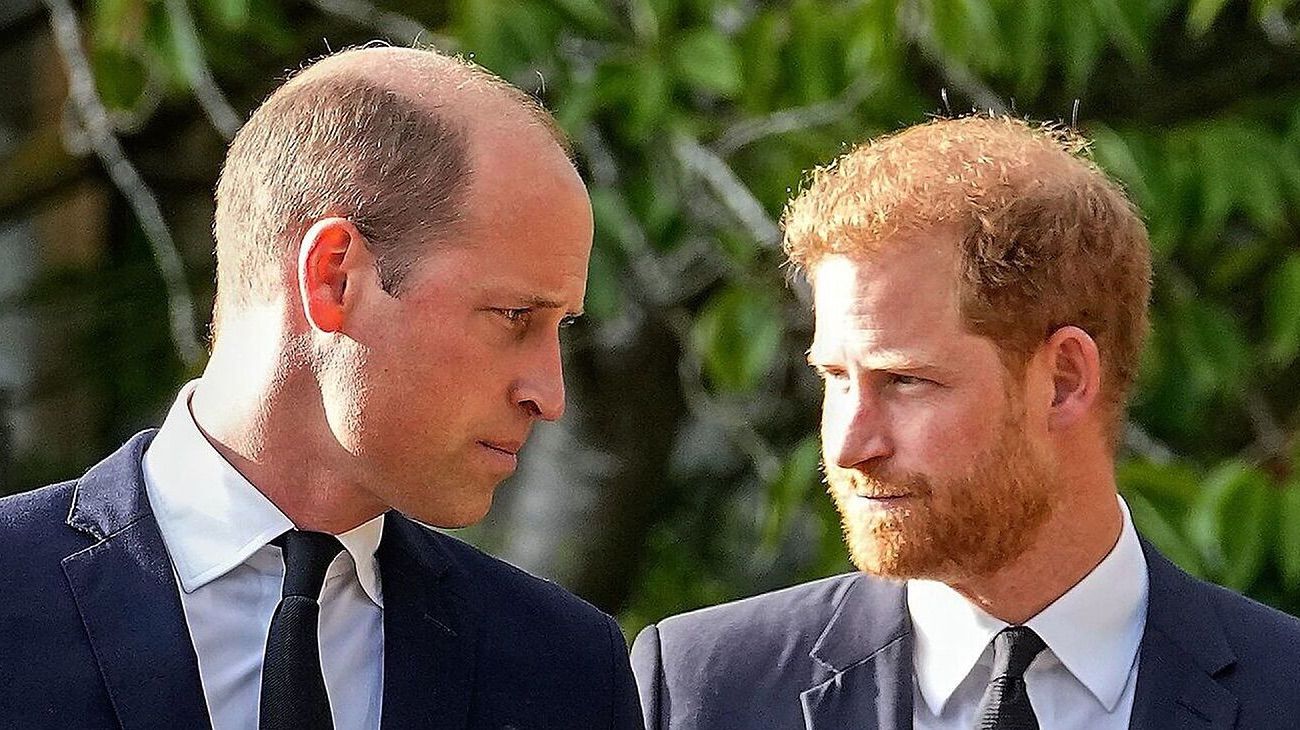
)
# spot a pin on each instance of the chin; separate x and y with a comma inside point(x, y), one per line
point(463, 513)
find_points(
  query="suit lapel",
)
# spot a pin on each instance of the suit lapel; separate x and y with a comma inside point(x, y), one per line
point(126, 593)
point(866, 653)
point(429, 631)
point(1183, 650)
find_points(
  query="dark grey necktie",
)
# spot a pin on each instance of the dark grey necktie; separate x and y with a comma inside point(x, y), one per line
point(293, 688)
point(1005, 705)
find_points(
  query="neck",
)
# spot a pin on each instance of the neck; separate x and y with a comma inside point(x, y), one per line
point(260, 408)
point(1077, 536)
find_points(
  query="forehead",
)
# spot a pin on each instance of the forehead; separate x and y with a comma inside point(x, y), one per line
point(526, 229)
point(913, 279)
point(900, 304)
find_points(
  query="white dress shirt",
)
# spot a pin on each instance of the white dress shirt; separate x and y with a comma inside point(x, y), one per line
point(217, 528)
point(1085, 677)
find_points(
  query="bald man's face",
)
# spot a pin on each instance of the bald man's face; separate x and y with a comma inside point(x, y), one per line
point(466, 359)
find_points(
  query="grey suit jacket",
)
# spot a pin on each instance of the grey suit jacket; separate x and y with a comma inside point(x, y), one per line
point(837, 654)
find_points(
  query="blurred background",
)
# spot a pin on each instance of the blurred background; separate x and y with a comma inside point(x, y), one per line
point(685, 472)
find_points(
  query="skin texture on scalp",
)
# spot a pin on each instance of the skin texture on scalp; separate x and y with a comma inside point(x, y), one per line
point(339, 396)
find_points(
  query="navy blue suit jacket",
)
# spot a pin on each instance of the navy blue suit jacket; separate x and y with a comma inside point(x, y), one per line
point(92, 634)
point(837, 654)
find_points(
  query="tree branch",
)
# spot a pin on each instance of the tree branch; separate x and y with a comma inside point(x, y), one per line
point(94, 121)
point(738, 199)
point(748, 131)
point(211, 99)
point(917, 29)
point(395, 26)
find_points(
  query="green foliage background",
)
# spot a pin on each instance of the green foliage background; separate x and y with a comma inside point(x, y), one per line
point(693, 122)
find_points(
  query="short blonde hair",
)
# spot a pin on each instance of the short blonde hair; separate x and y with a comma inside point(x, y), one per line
point(1046, 239)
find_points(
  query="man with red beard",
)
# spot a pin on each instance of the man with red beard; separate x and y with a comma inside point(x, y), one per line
point(981, 301)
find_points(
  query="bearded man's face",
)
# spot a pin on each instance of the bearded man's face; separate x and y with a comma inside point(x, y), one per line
point(924, 436)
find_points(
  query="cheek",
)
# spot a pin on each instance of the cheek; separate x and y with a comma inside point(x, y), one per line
point(948, 433)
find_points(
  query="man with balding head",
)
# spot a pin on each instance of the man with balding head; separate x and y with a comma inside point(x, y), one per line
point(400, 237)
point(980, 292)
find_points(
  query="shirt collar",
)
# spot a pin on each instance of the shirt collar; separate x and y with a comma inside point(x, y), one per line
point(212, 519)
point(1094, 629)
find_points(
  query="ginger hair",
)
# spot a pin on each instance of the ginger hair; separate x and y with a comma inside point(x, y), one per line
point(1046, 239)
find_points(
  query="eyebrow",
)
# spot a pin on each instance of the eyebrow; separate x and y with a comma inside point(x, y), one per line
point(540, 302)
point(900, 362)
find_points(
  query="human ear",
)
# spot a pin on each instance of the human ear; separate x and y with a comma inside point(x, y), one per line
point(333, 254)
point(1075, 366)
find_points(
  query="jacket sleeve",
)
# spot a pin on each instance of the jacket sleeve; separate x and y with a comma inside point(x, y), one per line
point(627, 712)
point(647, 665)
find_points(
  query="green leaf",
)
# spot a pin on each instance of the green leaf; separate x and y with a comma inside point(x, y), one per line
point(1201, 14)
point(1233, 523)
point(591, 15)
point(1029, 43)
point(530, 32)
point(169, 46)
point(120, 77)
point(1238, 263)
point(1239, 173)
point(231, 14)
point(1282, 312)
point(788, 492)
point(1082, 41)
point(639, 91)
point(1248, 525)
point(738, 334)
point(708, 61)
point(113, 22)
point(1173, 485)
point(761, 44)
point(604, 299)
point(980, 28)
point(1162, 533)
point(1122, 31)
point(1288, 542)
point(811, 48)
point(1214, 346)
point(1114, 153)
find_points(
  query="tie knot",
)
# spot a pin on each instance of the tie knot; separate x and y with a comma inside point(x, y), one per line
point(1014, 648)
point(307, 555)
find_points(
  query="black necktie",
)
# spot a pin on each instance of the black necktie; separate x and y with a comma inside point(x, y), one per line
point(1005, 705)
point(293, 688)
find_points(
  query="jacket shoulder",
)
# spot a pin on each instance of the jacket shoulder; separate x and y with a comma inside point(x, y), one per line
point(502, 584)
point(1256, 634)
point(707, 667)
point(34, 523)
point(541, 645)
point(775, 620)
point(1264, 639)
point(735, 640)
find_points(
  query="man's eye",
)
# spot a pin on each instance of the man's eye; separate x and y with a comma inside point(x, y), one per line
point(902, 379)
point(516, 316)
point(832, 374)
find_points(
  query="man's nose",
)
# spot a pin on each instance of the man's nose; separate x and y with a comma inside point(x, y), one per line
point(540, 389)
point(854, 430)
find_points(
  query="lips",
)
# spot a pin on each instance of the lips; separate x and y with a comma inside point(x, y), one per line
point(505, 446)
